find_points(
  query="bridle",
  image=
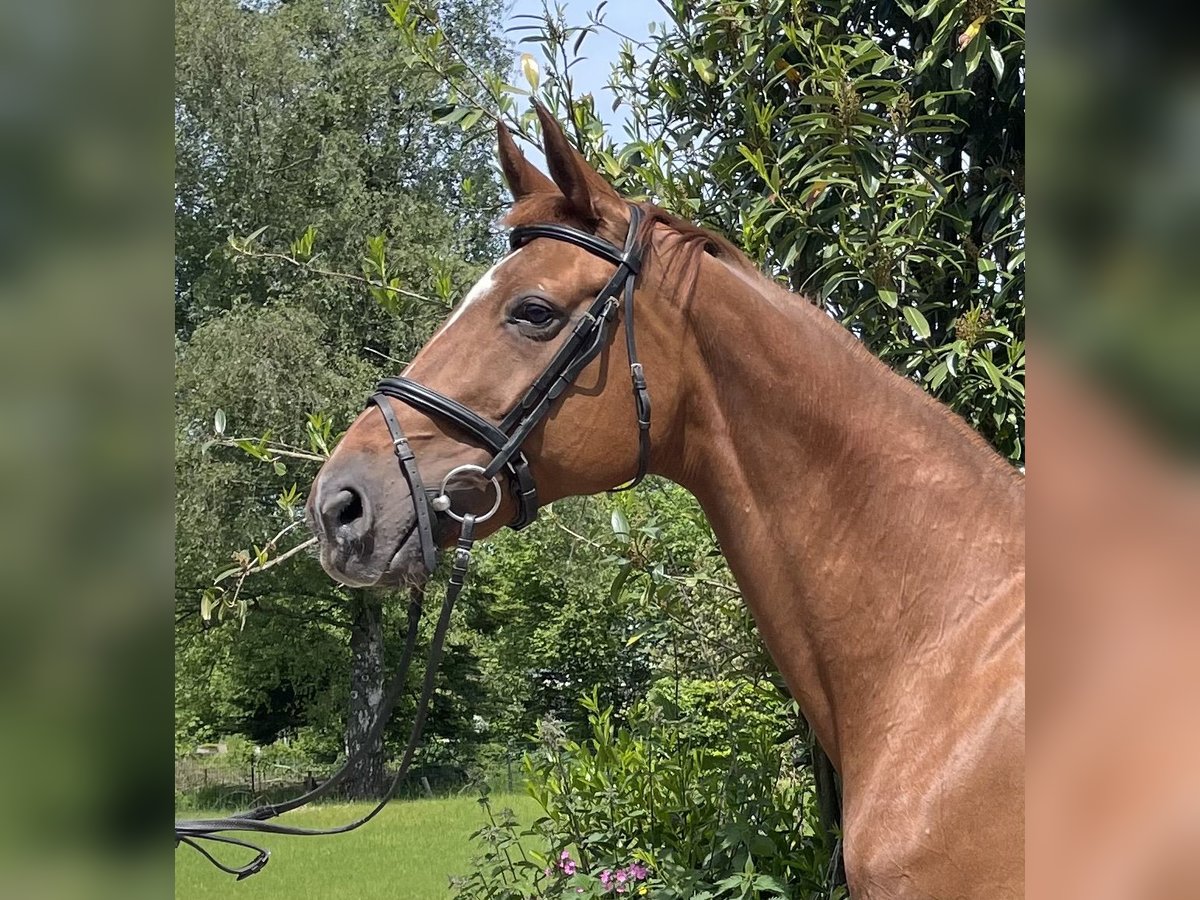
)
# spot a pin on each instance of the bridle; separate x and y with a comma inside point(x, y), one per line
point(504, 440)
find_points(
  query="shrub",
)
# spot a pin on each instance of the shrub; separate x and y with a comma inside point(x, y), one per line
point(642, 799)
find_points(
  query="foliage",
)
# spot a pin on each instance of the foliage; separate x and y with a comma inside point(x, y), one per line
point(306, 154)
point(868, 154)
point(304, 131)
point(644, 797)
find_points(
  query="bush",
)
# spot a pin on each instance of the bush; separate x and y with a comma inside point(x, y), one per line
point(642, 809)
point(706, 714)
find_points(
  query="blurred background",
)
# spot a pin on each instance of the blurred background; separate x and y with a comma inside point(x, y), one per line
point(85, 402)
point(1113, 786)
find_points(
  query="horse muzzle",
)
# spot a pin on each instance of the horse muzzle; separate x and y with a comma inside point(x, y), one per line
point(366, 525)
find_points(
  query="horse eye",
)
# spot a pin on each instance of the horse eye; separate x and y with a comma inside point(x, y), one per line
point(535, 312)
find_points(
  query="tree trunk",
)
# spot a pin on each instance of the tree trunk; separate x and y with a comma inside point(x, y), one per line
point(366, 780)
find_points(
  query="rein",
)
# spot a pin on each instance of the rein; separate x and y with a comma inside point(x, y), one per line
point(587, 339)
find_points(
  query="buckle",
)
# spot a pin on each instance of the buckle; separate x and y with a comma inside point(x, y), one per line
point(255, 866)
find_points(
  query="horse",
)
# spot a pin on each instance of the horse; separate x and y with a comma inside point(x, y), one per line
point(877, 540)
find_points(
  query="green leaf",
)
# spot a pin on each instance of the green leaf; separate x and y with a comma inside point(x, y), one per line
point(918, 321)
point(529, 68)
point(619, 582)
point(936, 376)
point(890, 298)
point(975, 52)
point(455, 115)
point(870, 171)
point(280, 468)
point(704, 68)
point(996, 61)
point(990, 369)
point(772, 884)
point(226, 574)
point(252, 236)
point(958, 70)
point(620, 525)
point(302, 247)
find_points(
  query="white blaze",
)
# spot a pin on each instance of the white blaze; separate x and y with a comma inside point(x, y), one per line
point(481, 289)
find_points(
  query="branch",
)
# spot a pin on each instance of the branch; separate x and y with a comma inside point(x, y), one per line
point(248, 566)
point(268, 447)
point(670, 12)
point(511, 123)
point(514, 125)
point(254, 570)
point(574, 534)
point(330, 273)
point(707, 582)
point(384, 356)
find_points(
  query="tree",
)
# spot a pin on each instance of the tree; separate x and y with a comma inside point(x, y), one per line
point(869, 155)
point(306, 154)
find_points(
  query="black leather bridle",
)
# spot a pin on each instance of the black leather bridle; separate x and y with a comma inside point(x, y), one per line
point(504, 440)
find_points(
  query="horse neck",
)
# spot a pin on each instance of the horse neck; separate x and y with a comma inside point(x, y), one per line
point(863, 522)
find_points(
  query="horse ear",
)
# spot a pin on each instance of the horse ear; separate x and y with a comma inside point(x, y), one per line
point(588, 193)
point(522, 177)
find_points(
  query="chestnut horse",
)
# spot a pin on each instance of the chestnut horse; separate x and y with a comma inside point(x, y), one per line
point(877, 540)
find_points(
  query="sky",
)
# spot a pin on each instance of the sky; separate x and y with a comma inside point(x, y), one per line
point(630, 17)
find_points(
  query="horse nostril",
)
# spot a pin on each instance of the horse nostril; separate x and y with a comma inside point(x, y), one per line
point(344, 513)
point(351, 509)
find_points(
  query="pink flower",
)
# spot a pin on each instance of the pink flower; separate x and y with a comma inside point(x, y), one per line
point(622, 876)
point(566, 863)
point(548, 871)
point(606, 877)
point(638, 871)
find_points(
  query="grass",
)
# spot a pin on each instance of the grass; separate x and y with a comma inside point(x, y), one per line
point(408, 852)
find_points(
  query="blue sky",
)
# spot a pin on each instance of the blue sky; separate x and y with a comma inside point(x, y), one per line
point(630, 17)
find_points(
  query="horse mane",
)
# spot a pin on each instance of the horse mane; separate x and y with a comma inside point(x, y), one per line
point(686, 243)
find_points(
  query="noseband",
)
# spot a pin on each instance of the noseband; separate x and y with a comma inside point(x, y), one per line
point(504, 439)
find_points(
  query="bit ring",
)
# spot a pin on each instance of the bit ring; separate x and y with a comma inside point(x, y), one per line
point(441, 503)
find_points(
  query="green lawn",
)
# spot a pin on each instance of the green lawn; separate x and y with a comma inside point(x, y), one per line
point(407, 852)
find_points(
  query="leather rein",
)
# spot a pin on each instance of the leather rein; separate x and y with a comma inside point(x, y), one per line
point(504, 440)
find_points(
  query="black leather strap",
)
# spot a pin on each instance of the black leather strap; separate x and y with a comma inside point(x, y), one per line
point(408, 465)
point(430, 401)
point(597, 246)
point(641, 395)
point(434, 403)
